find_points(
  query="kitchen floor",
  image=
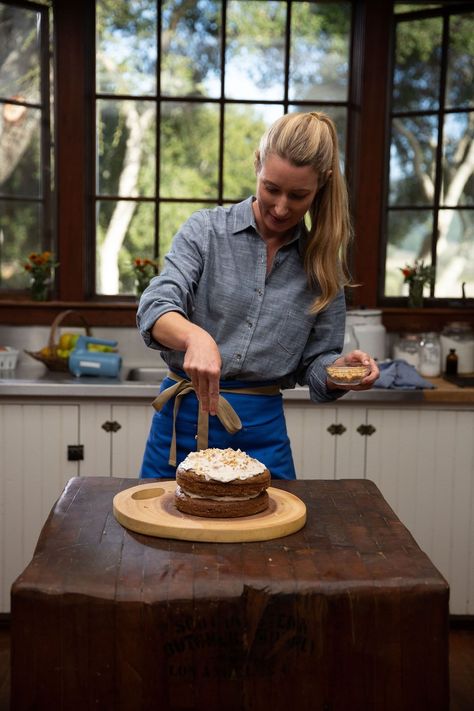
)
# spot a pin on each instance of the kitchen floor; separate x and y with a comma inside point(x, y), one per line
point(461, 667)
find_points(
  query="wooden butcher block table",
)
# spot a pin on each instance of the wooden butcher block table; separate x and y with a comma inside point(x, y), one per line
point(347, 614)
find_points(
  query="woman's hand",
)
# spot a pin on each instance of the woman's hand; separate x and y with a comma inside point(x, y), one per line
point(202, 360)
point(355, 358)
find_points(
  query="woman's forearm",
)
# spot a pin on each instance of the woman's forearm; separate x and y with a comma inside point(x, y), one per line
point(202, 360)
point(174, 331)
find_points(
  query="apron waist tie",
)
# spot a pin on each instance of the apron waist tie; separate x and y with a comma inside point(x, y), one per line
point(225, 412)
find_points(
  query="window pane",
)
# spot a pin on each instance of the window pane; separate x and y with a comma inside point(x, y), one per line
point(126, 47)
point(319, 60)
point(190, 48)
point(20, 63)
point(125, 230)
point(458, 169)
point(412, 161)
point(20, 234)
point(409, 238)
point(126, 148)
point(460, 61)
point(455, 253)
point(189, 140)
point(417, 65)
point(255, 54)
point(244, 126)
point(172, 216)
point(20, 144)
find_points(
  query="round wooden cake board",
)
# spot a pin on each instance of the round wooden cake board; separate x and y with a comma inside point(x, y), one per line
point(150, 509)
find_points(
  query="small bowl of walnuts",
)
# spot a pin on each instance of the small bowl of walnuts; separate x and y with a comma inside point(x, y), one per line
point(352, 374)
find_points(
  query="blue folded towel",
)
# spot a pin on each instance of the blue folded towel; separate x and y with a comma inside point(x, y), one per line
point(400, 374)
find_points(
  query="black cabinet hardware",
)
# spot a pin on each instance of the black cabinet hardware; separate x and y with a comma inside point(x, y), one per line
point(336, 429)
point(113, 426)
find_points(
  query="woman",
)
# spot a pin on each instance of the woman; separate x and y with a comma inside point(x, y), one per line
point(250, 301)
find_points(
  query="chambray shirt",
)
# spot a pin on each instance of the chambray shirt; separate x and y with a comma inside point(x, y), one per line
point(215, 276)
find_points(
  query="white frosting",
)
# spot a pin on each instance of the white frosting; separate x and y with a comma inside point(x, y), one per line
point(179, 490)
point(222, 465)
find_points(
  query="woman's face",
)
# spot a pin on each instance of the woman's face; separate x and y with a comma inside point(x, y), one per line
point(284, 195)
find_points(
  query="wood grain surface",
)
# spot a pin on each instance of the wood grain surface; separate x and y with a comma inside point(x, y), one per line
point(150, 509)
point(346, 613)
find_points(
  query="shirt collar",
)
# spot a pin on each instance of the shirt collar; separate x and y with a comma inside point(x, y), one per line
point(244, 218)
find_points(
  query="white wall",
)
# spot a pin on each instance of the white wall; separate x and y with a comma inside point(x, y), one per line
point(33, 338)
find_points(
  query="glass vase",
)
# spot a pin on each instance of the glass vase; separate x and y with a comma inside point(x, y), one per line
point(415, 293)
point(39, 289)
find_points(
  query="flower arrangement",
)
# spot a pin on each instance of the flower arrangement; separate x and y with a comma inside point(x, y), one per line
point(416, 276)
point(144, 270)
point(40, 267)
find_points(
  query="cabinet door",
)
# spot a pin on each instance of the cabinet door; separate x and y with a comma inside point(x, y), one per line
point(128, 442)
point(34, 469)
point(313, 447)
point(351, 443)
point(114, 438)
point(423, 462)
point(96, 438)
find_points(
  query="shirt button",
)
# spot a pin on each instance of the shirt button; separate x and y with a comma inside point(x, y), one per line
point(238, 356)
point(249, 324)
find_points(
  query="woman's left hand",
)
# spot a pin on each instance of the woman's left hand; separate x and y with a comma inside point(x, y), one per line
point(354, 358)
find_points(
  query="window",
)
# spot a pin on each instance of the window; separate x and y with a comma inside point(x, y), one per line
point(184, 91)
point(430, 191)
point(25, 151)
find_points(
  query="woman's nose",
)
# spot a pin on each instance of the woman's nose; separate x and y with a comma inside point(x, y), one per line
point(281, 206)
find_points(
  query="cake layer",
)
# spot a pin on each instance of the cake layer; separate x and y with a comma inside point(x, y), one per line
point(195, 483)
point(210, 508)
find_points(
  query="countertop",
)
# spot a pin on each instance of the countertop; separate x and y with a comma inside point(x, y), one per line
point(36, 381)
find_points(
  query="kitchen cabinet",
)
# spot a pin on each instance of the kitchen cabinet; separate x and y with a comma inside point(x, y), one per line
point(325, 441)
point(422, 460)
point(35, 446)
point(114, 437)
point(34, 469)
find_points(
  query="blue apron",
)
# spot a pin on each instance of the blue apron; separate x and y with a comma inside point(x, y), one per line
point(263, 434)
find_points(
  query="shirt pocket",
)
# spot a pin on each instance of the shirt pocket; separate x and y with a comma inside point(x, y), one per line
point(294, 332)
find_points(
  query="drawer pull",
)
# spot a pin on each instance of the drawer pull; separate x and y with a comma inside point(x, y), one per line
point(336, 429)
point(366, 430)
point(113, 426)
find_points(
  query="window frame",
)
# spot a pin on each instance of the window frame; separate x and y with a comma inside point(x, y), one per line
point(45, 197)
point(441, 112)
point(74, 34)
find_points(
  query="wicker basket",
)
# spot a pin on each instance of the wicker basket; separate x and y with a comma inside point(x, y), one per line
point(53, 361)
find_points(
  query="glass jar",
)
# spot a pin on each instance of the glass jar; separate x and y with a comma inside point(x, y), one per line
point(430, 355)
point(407, 348)
point(460, 336)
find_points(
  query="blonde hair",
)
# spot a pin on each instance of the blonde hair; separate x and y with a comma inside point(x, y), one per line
point(311, 139)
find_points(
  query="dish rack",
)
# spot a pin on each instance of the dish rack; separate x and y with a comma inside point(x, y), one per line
point(8, 358)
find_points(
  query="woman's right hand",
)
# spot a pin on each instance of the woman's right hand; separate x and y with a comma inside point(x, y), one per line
point(202, 363)
point(202, 360)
